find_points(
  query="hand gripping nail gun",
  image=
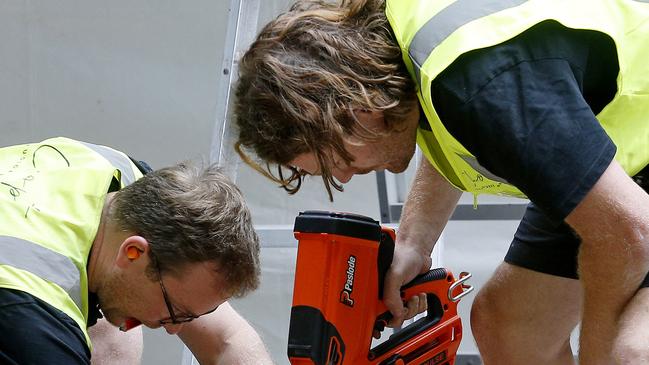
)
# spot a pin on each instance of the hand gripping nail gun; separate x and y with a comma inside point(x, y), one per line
point(337, 299)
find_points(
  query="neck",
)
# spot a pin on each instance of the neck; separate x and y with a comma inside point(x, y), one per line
point(98, 253)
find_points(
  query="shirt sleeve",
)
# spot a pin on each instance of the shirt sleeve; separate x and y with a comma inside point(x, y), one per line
point(527, 121)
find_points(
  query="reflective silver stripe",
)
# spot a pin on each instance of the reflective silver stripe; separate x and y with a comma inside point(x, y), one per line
point(450, 19)
point(123, 164)
point(481, 170)
point(42, 262)
point(447, 21)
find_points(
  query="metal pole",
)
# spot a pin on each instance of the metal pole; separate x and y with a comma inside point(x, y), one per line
point(242, 29)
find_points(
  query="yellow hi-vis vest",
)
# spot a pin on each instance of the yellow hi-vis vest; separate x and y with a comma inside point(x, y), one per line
point(51, 197)
point(432, 34)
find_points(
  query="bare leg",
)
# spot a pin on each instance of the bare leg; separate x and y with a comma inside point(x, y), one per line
point(613, 224)
point(113, 347)
point(632, 343)
point(525, 317)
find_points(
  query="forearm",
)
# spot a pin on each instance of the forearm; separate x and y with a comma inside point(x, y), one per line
point(113, 347)
point(244, 347)
point(224, 337)
point(429, 205)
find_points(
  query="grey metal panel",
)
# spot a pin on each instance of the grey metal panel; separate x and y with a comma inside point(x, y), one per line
point(242, 29)
point(468, 360)
point(466, 212)
point(384, 204)
point(475, 359)
point(276, 236)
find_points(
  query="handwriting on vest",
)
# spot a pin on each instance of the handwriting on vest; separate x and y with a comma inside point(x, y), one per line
point(17, 179)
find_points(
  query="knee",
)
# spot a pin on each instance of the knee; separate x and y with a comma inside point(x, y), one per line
point(483, 313)
point(630, 344)
point(629, 352)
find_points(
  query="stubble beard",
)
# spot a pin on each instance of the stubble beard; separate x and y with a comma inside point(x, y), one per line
point(109, 296)
point(401, 157)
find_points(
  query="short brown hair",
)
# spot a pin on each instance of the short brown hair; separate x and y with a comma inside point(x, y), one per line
point(192, 215)
point(306, 73)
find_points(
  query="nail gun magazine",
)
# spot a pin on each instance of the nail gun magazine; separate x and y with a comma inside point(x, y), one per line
point(337, 298)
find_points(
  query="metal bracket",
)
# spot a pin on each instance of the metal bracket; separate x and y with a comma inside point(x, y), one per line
point(466, 289)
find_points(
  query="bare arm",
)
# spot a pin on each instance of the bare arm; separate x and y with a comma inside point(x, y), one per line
point(112, 346)
point(429, 205)
point(224, 337)
point(613, 223)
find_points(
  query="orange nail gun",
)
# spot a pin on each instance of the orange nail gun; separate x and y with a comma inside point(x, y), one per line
point(337, 298)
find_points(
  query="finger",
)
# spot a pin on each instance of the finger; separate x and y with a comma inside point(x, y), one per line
point(398, 321)
point(392, 297)
point(392, 300)
point(397, 310)
point(423, 303)
point(412, 307)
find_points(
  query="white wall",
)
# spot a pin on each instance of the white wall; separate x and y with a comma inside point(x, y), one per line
point(136, 75)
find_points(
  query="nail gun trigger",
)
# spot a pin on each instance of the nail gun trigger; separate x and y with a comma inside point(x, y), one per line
point(382, 321)
point(379, 326)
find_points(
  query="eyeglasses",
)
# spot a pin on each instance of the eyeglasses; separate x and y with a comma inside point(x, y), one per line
point(292, 183)
point(173, 318)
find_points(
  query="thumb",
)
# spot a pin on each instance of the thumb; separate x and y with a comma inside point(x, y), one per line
point(392, 298)
point(426, 265)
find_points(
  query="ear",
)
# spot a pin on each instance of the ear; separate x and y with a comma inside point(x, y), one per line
point(132, 249)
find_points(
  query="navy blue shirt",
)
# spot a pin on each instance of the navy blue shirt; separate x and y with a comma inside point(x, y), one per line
point(526, 109)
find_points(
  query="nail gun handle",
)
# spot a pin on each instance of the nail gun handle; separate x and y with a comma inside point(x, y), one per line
point(427, 278)
point(420, 284)
point(434, 284)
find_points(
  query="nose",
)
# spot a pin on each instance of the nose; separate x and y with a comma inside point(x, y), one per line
point(343, 175)
point(172, 329)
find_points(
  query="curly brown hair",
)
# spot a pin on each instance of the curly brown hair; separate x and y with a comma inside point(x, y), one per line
point(303, 77)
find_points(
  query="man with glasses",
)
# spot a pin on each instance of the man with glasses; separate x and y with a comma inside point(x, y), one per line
point(84, 235)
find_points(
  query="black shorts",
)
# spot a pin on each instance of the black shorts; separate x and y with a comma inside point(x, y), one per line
point(34, 332)
point(549, 245)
